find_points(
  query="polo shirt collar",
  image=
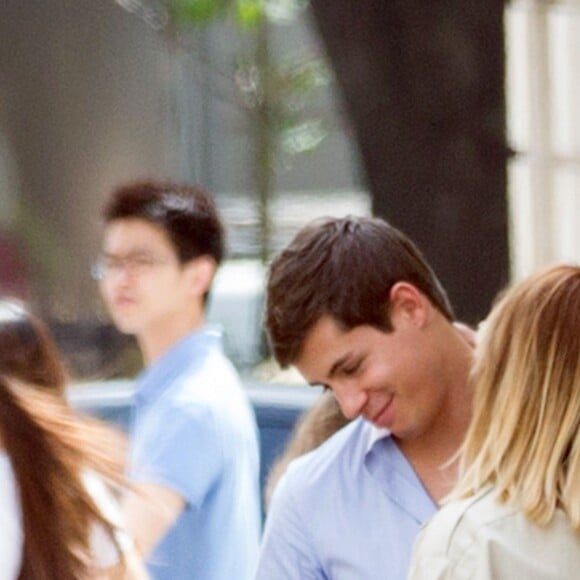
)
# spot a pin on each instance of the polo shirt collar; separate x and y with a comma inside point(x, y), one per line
point(153, 380)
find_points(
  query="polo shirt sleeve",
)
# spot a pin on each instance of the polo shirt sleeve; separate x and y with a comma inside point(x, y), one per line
point(287, 551)
point(184, 453)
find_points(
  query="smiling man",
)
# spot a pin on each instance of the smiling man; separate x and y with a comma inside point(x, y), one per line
point(353, 305)
point(194, 450)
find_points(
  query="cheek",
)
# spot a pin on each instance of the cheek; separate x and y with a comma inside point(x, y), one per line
point(106, 290)
point(381, 377)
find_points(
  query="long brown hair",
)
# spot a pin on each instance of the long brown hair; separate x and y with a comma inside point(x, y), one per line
point(50, 448)
point(27, 351)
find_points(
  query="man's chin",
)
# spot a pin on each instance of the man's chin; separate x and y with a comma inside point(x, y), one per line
point(126, 326)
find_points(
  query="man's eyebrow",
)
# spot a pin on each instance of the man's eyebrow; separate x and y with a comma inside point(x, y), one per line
point(337, 364)
point(134, 252)
point(317, 384)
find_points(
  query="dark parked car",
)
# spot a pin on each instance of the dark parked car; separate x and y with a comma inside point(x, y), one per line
point(276, 406)
point(236, 304)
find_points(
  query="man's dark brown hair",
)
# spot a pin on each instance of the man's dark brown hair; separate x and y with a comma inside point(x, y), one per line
point(185, 212)
point(344, 268)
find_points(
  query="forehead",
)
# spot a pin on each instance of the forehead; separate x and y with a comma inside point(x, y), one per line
point(325, 343)
point(132, 235)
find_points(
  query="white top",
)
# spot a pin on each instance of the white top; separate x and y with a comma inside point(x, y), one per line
point(11, 537)
point(482, 539)
point(105, 550)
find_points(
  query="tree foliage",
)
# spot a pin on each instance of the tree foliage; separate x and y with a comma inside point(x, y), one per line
point(276, 92)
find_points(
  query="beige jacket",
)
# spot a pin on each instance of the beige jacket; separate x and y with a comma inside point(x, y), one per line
point(481, 539)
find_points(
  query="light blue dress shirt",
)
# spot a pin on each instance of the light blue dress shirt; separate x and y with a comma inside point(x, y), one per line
point(349, 510)
point(194, 432)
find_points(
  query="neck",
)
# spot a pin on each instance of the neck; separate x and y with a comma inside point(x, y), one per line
point(156, 341)
point(432, 454)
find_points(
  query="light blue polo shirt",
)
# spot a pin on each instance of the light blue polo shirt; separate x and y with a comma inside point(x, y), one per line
point(350, 510)
point(194, 432)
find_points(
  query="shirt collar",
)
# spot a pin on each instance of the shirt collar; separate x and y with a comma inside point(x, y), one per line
point(154, 379)
point(376, 434)
point(390, 468)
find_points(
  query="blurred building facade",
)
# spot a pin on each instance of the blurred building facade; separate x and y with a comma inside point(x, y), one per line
point(90, 96)
point(543, 88)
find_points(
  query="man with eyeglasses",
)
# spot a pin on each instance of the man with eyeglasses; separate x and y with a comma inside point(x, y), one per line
point(194, 450)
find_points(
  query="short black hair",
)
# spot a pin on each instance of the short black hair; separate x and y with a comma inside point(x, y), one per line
point(185, 212)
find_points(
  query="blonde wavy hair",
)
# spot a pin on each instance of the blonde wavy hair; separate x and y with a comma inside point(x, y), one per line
point(524, 438)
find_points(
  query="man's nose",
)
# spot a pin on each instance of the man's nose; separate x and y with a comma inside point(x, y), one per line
point(351, 401)
point(120, 275)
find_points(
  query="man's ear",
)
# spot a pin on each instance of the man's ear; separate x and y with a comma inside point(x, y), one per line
point(408, 304)
point(200, 273)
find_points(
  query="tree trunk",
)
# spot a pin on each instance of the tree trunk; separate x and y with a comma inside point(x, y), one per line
point(423, 86)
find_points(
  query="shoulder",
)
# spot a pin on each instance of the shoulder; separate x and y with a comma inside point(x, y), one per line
point(215, 366)
point(206, 379)
point(211, 393)
point(302, 516)
point(483, 538)
point(459, 532)
point(463, 518)
point(335, 461)
point(202, 403)
point(192, 390)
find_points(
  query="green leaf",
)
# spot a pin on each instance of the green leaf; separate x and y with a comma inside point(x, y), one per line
point(196, 12)
point(304, 137)
point(307, 76)
point(249, 13)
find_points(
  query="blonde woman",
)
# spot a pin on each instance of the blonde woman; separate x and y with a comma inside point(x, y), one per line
point(515, 511)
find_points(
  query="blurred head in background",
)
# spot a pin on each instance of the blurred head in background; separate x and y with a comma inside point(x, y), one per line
point(161, 247)
point(27, 351)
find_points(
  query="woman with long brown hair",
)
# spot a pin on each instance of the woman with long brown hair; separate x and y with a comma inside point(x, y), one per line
point(57, 517)
point(515, 511)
